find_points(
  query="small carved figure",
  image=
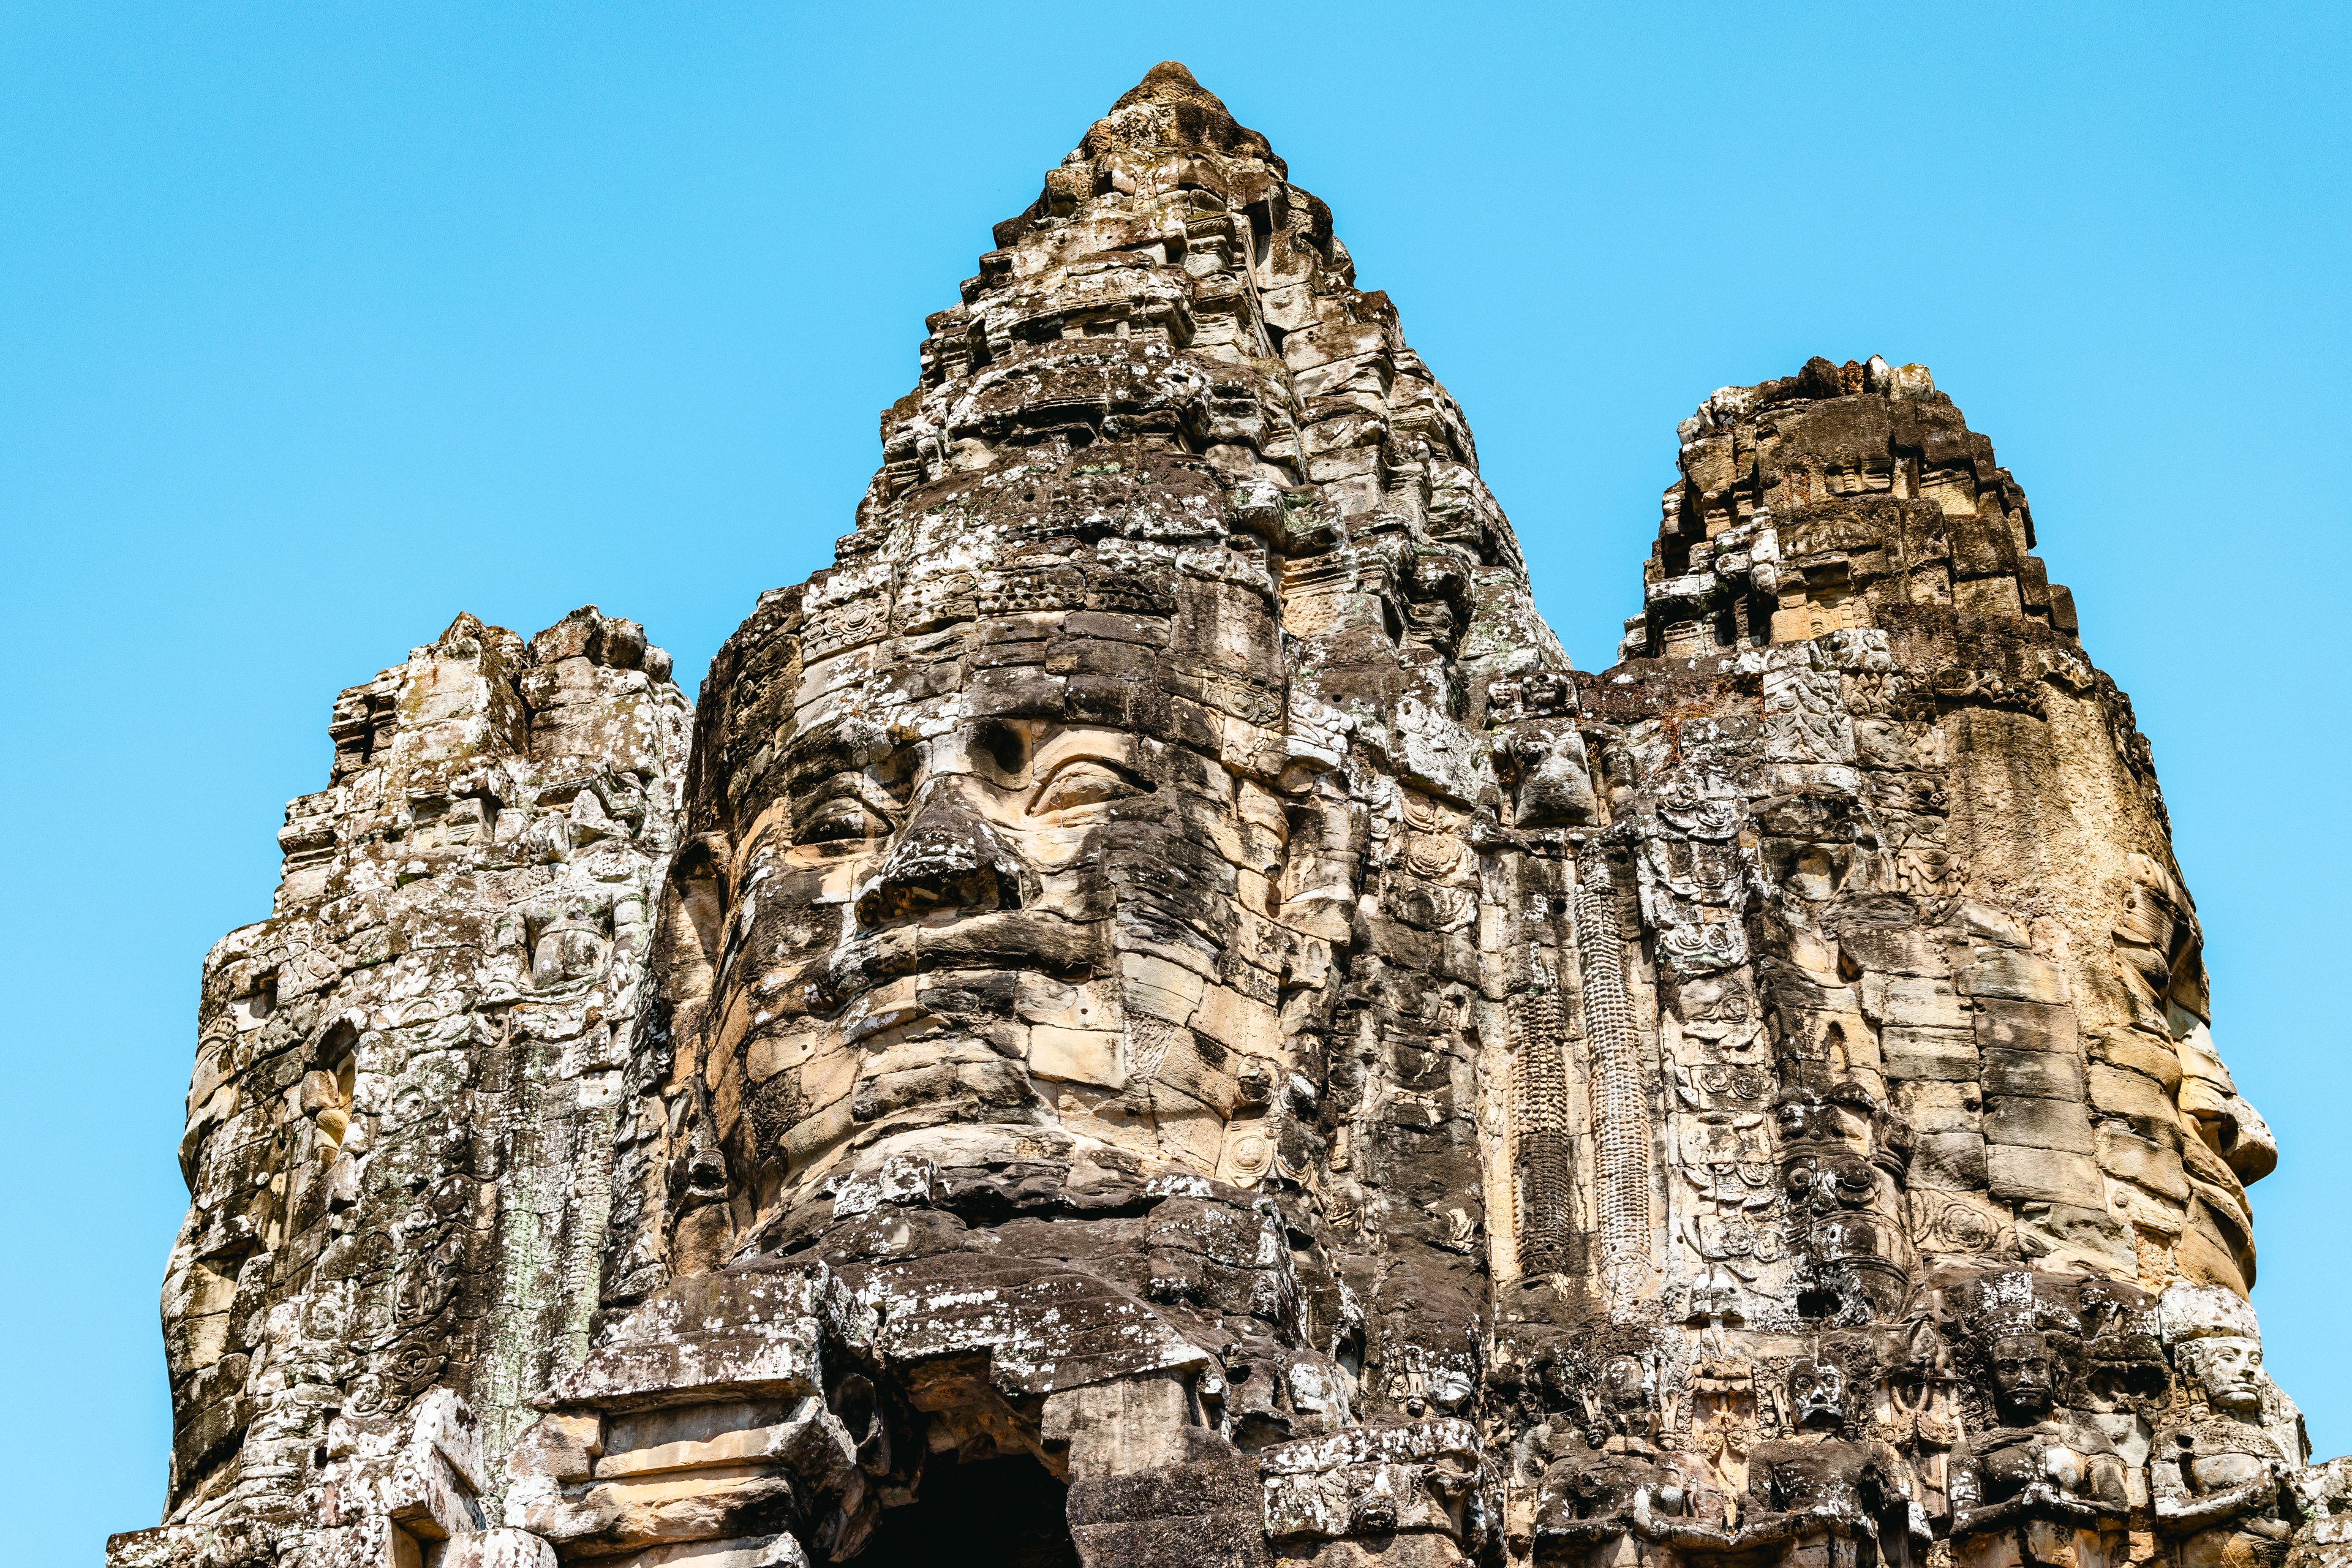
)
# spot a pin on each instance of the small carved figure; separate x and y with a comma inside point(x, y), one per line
point(2215, 1477)
point(1723, 1431)
point(1924, 1406)
point(1624, 1419)
point(1543, 765)
point(2040, 1488)
point(1588, 1496)
point(1813, 1485)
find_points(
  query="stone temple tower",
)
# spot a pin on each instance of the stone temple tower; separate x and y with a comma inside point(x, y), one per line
point(1146, 1015)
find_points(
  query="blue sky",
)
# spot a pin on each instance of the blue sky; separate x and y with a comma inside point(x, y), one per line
point(320, 323)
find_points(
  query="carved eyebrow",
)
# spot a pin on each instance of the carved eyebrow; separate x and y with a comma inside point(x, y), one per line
point(861, 787)
point(1089, 743)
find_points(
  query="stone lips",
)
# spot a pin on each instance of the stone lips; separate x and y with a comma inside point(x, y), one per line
point(1154, 1019)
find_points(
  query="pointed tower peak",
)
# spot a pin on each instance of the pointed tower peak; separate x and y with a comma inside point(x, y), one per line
point(1168, 79)
point(1844, 498)
point(1170, 110)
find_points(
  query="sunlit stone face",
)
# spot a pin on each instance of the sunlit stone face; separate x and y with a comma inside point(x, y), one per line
point(2229, 1369)
point(1038, 901)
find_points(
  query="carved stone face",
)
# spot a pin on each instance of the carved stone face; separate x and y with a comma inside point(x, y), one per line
point(2159, 958)
point(1621, 1383)
point(982, 909)
point(2023, 1376)
point(1817, 1395)
point(2230, 1370)
point(568, 942)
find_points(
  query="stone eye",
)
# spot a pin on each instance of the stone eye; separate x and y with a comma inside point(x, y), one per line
point(842, 819)
point(1085, 781)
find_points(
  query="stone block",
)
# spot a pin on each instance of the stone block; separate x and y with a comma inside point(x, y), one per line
point(1897, 950)
point(500, 1548)
point(1117, 1428)
point(2069, 1236)
point(2010, 1025)
point(2151, 1055)
point(2037, 1123)
point(778, 1361)
point(1239, 1022)
point(1159, 989)
point(1078, 1055)
point(713, 1336)
point(1207, 1509)
point(1954, 1162)
point(702, 1437)
point(2013, 976)
point(1935, 1105)
point(1198, 1540)
point(2151, 1165)
point(2205, 1256)
point(780, 1550)
point(1988, 596)
point(562, 1445)
point(1906, 1001)
point(659, 1510)
point(1948, 1054)
point(2047, 1075)
point(2120, 1091)
point(2022, 1171)
point(1427, 1549)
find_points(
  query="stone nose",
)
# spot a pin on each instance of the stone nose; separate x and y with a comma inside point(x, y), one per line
point(946, 859)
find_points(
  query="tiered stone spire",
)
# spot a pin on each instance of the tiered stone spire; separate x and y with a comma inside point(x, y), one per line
point(1157, 1021)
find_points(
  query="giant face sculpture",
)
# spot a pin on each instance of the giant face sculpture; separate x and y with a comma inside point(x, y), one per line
point(1105, 813)
point(1038, 903)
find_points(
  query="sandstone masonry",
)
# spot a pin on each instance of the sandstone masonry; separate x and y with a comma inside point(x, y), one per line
point(1147, 1017)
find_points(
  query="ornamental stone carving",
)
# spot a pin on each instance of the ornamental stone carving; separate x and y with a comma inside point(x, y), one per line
point(1146, 1015)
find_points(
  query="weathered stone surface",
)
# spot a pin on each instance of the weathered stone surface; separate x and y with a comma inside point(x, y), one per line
point(1157, 1021)
point(408, 1078)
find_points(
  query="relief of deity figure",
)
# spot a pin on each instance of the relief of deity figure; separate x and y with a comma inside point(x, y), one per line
point(1543, 765)
point(2217, 1472)
point(1723, 1428)
point(1587, 1498)
point(1819, 1484)
point(2040, 1487)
